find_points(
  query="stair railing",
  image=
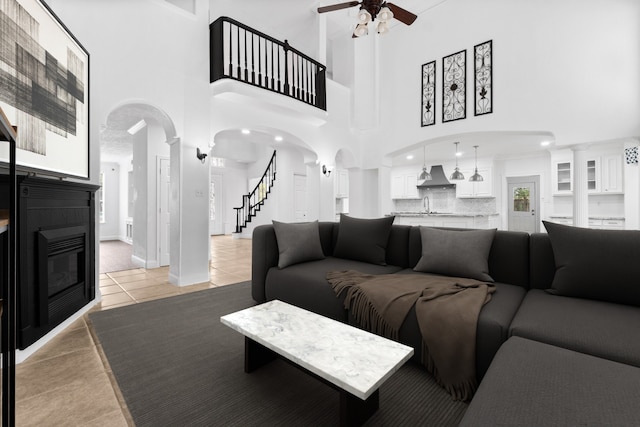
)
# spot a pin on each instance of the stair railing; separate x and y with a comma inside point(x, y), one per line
point(239, 52)
point(252, 202)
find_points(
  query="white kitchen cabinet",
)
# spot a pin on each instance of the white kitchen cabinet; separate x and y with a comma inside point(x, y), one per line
point(562, 220)
point(607, 224)
point(594, 176)
point(611, 173)
point(562, 176)
point(604, 174)
point(452, 221)
point(404, 186)
point(342, 183)
point(468, 189)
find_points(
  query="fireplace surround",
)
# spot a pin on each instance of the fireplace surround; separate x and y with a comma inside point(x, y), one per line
point(56, 253)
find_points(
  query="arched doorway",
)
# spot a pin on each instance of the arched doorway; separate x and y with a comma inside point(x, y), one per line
point(135, 141)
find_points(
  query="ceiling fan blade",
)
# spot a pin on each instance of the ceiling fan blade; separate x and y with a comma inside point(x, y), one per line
point(401, 14)
point(338, 6)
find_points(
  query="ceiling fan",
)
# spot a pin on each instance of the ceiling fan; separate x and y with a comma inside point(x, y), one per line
point(371, 10)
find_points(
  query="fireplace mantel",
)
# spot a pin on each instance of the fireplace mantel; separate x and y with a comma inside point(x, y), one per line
point(49, 208)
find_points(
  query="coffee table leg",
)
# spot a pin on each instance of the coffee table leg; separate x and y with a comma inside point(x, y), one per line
point(355, 411)
point(256, 355)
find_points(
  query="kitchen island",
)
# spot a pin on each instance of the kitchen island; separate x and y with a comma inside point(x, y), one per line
point(448, 219)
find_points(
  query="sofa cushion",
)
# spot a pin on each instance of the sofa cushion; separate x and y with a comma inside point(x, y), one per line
point(535, 384)
point(297, 242)
point(363, 239)
point(305, 285)
point(456, 253)
point(596, 264)
point(492, 330)
point(598, 328)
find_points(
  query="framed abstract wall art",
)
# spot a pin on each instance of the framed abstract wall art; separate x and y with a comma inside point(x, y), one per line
point(454, 91)
point(429, 94)
point(44, 90)
point(483, 78)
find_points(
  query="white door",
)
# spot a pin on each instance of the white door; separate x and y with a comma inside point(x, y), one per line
point(163, 210)
point(523, 204)
point(300, 198)
point(216, 226)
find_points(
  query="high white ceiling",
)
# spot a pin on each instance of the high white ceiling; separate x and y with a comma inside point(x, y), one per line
point(298, 21)
point(490, 144)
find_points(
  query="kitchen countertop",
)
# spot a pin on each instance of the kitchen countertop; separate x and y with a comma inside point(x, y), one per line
point(605, 217)
point(452, 214)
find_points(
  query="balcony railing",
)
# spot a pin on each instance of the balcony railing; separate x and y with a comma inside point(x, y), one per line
point(241, 53)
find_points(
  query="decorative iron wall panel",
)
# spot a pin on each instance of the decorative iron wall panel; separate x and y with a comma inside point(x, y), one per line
point(429, 94)
point(454, 81)
point(483, 78)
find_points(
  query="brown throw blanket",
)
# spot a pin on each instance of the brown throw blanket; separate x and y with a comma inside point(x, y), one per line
point(447, 309)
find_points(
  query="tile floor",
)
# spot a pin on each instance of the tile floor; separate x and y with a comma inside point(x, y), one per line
point(49, 393)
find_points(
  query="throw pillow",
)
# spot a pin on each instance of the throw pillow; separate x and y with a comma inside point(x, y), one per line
point(363, 239)
point(595, 264)
point(297, 242)
point(456, 253)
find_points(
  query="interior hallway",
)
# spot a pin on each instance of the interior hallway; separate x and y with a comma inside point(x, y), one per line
point(67, 383)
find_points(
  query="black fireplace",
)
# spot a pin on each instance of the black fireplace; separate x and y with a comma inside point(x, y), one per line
point(62, 266)
point(56, 253)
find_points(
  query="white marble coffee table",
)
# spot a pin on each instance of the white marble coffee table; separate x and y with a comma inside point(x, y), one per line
point(354, 361)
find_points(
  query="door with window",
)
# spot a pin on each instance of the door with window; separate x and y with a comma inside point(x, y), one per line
point(523, 202)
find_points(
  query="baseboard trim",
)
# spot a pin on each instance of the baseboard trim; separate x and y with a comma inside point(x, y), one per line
point(22, 355)
point(188, 280)
point(138, 262)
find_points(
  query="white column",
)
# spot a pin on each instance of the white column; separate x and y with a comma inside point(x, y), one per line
point(632, 191)
point(580, 195)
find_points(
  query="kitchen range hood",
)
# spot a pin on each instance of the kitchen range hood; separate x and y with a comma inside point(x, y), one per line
point(438, 179)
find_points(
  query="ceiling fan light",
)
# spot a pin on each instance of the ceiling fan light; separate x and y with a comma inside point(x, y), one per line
point(361, 30)
point(383, 28)
point(385, 14)
point(364, 17)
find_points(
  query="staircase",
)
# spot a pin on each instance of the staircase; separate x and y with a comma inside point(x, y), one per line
point(252, 202)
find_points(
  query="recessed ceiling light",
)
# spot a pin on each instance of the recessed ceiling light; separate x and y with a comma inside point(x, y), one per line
point(278, 138)
point(410, 157)
point(545, 143)
point(246, 131)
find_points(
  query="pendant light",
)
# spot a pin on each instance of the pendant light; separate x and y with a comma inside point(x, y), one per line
point(456, 175)
point(476, 177)
point(424, 175)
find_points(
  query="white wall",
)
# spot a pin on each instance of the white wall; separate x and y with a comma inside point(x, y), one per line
point(153, 52)
point(570, 67)
point(126, 166)
point(110, 229)
point(538, 164)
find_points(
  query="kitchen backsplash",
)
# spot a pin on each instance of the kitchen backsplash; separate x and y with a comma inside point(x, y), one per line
point(445, 200)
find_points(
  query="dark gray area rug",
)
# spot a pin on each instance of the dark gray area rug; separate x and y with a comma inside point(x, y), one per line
point(176, 364)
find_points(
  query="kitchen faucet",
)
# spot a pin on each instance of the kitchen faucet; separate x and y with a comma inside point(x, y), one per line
point(426, 203)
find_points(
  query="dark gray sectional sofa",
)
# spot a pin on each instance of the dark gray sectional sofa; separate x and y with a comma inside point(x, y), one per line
point(542, 359)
